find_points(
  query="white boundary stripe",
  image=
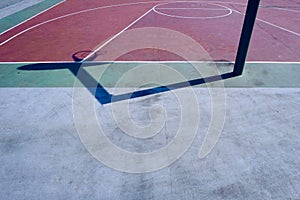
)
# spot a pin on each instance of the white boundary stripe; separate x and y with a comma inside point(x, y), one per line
point(115, 36)
point(126, 62)
point(33, 16)
point(272, 62)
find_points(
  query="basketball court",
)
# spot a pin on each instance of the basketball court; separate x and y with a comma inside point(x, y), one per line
point(128, 99)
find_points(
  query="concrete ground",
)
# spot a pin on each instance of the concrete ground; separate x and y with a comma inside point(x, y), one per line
point(256, 156)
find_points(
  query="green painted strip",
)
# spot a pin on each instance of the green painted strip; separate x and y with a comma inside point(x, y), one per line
point(12, 76)
point(19, 17)
point(267, 75)
point(60, 74)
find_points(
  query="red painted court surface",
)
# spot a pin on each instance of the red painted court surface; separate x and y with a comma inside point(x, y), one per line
point(119, 30)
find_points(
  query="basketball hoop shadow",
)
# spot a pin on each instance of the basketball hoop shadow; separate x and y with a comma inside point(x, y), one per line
point(103, 96)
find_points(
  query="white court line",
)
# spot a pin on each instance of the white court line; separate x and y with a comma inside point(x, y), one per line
point(284, 29)
point(72, 14)
point(33, 17)
point(115, 36)
point(126, 4)
point(171, 62)
point(287, 9)
point(261, 6)
point(156, 8)
point(126, 28)
point(103, 7)
point(269, 23)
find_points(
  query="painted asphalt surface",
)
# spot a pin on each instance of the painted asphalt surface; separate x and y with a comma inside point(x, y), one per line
point(66, 29)
point(43, 155)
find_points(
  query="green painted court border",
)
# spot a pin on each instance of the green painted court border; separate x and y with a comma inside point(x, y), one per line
point(257, 75)
point(19, 17)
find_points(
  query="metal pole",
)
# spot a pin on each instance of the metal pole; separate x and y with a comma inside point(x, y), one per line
point(247, 30)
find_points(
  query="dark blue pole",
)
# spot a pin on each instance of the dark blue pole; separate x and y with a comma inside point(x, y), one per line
point(247, 30)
